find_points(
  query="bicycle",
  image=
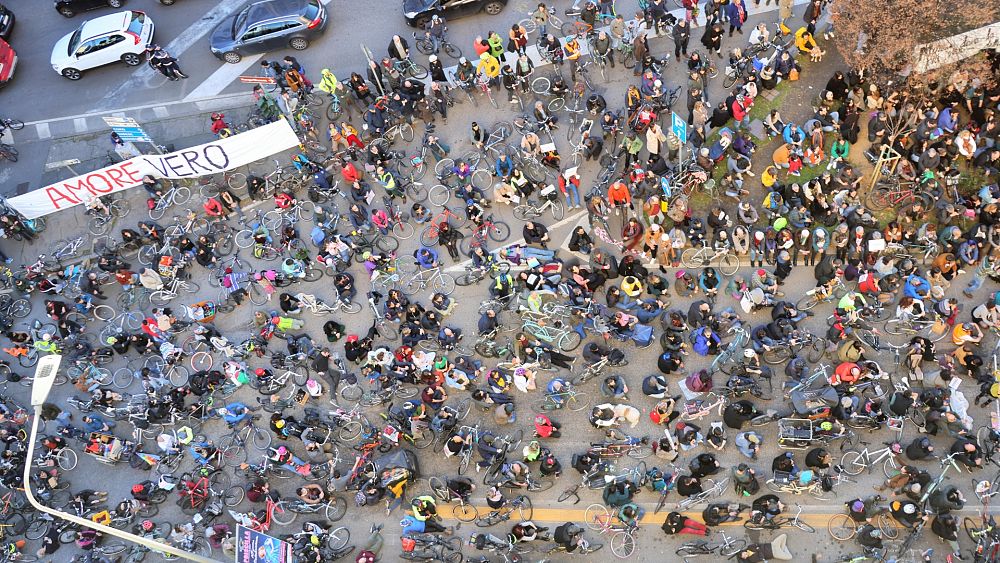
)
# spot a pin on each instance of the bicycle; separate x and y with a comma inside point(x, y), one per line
point(175, 195)
point(408, 67)
point(429, 236)
point(8, 152)
point(780, 522)
point(100, 223)
point(814, 346)
point(695, 258)
point(913, 326)
point(885, 195)
point(716, 489)
point(601, 520)
point(728, 547)
point(426, 46)
point(232, 448)
point(474, 275)
point(855, 462)
point(488, 229)
point(521, 503)
point(842, 527)
point(562, 336)
point(532, 210)
point(167, 294)
point(814, 296)
point(430, 547)
point(434, 278)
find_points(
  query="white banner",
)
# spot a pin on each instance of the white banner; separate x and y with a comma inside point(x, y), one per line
point(203, 160)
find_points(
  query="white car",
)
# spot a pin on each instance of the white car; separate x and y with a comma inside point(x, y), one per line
point(104, 40)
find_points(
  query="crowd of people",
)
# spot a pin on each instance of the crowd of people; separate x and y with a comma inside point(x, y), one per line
point(887, 263)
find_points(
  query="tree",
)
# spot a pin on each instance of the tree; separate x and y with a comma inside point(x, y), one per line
point(881, 37)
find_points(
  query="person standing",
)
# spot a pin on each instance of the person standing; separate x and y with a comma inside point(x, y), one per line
point(712, 39)
point(737, 10)
point(682, 35)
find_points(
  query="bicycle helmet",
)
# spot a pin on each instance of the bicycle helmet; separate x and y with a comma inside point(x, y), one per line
point(137, 488)
point(432, 58)
point(147, 525)
point(282, 450)
point(462, 60)
point(46, 337)
point(259, 372)
point(749, 353)
point(826, 426)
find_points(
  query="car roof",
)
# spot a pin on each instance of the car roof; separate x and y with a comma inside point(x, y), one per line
point(271, 9)
point(105, 24)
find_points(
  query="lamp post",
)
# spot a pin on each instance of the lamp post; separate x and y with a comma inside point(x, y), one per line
point(45, 374)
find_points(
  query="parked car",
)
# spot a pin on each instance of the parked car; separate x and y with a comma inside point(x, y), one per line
point(8, 62)
point(6, 22)
point(419, 12)
point(104, 40)
point(70, 8)
point(270, 24)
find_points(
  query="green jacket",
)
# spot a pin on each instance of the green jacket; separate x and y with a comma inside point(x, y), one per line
point(633, 146)
point(840, 149)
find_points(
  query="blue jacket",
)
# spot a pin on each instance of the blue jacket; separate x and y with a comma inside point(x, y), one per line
point(504, 168)
point(701, 343)
point(235, 413)
point(918, 291)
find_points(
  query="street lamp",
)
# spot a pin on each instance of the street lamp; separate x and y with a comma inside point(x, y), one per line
point(45, 374)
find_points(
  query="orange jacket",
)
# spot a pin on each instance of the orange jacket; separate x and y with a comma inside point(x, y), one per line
point(618, 193)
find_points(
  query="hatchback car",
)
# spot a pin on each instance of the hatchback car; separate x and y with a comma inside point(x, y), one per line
point(8, 62)
point(70, 8)
point(419, 12)
point(105, 40)
point(267, 25)
point(6, 22)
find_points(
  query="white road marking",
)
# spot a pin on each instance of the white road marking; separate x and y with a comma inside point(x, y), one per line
point(80, 124)
point(188, 38)
point(43, 131)
point(460, 267)
point(224, 76)
point(161, 112)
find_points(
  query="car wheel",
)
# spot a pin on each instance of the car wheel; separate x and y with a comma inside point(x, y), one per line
point(115, 3)
point(131, 59)
point(231, 57)
point(66, 11)
point(72, 73)
point(493, 8)
point(422, 22)
point(298, 43)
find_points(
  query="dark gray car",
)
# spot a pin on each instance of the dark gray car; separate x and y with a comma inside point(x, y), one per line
point(267, 25)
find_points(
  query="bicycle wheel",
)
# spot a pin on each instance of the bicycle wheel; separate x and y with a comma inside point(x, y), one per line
point(113, 549)
point(123, 378)
point(402, 230)
point(693, 258)
point(569, 341)
point(804, 526)
point(807, 302)
point(879, 198)
point(14, 124)
point(233, 453)
point(596, 516)
point(17, 524)
point(540, 85)
point(439, 195)
point(338, 538)
point(261, 438)
point(98, 226)
point(577, 402)
point(623, 545)
point(444, 283)
point(482, 179)
point(281, 515)
point(201, 361)
point(853, 462)
point(730, 264)
point(887, 525)
point(37, 529)
point(465, 512)
point(972, 528)
point(640, 451)
point(244, 238)
point(178, 375)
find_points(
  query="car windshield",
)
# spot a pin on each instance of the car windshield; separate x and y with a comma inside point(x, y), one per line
point(240, 22)
point(135, 26)
point(74, 41)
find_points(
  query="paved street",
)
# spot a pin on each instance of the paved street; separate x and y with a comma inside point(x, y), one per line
point(181, 29)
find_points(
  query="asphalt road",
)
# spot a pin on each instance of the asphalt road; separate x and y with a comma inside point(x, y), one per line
point(652, 544)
